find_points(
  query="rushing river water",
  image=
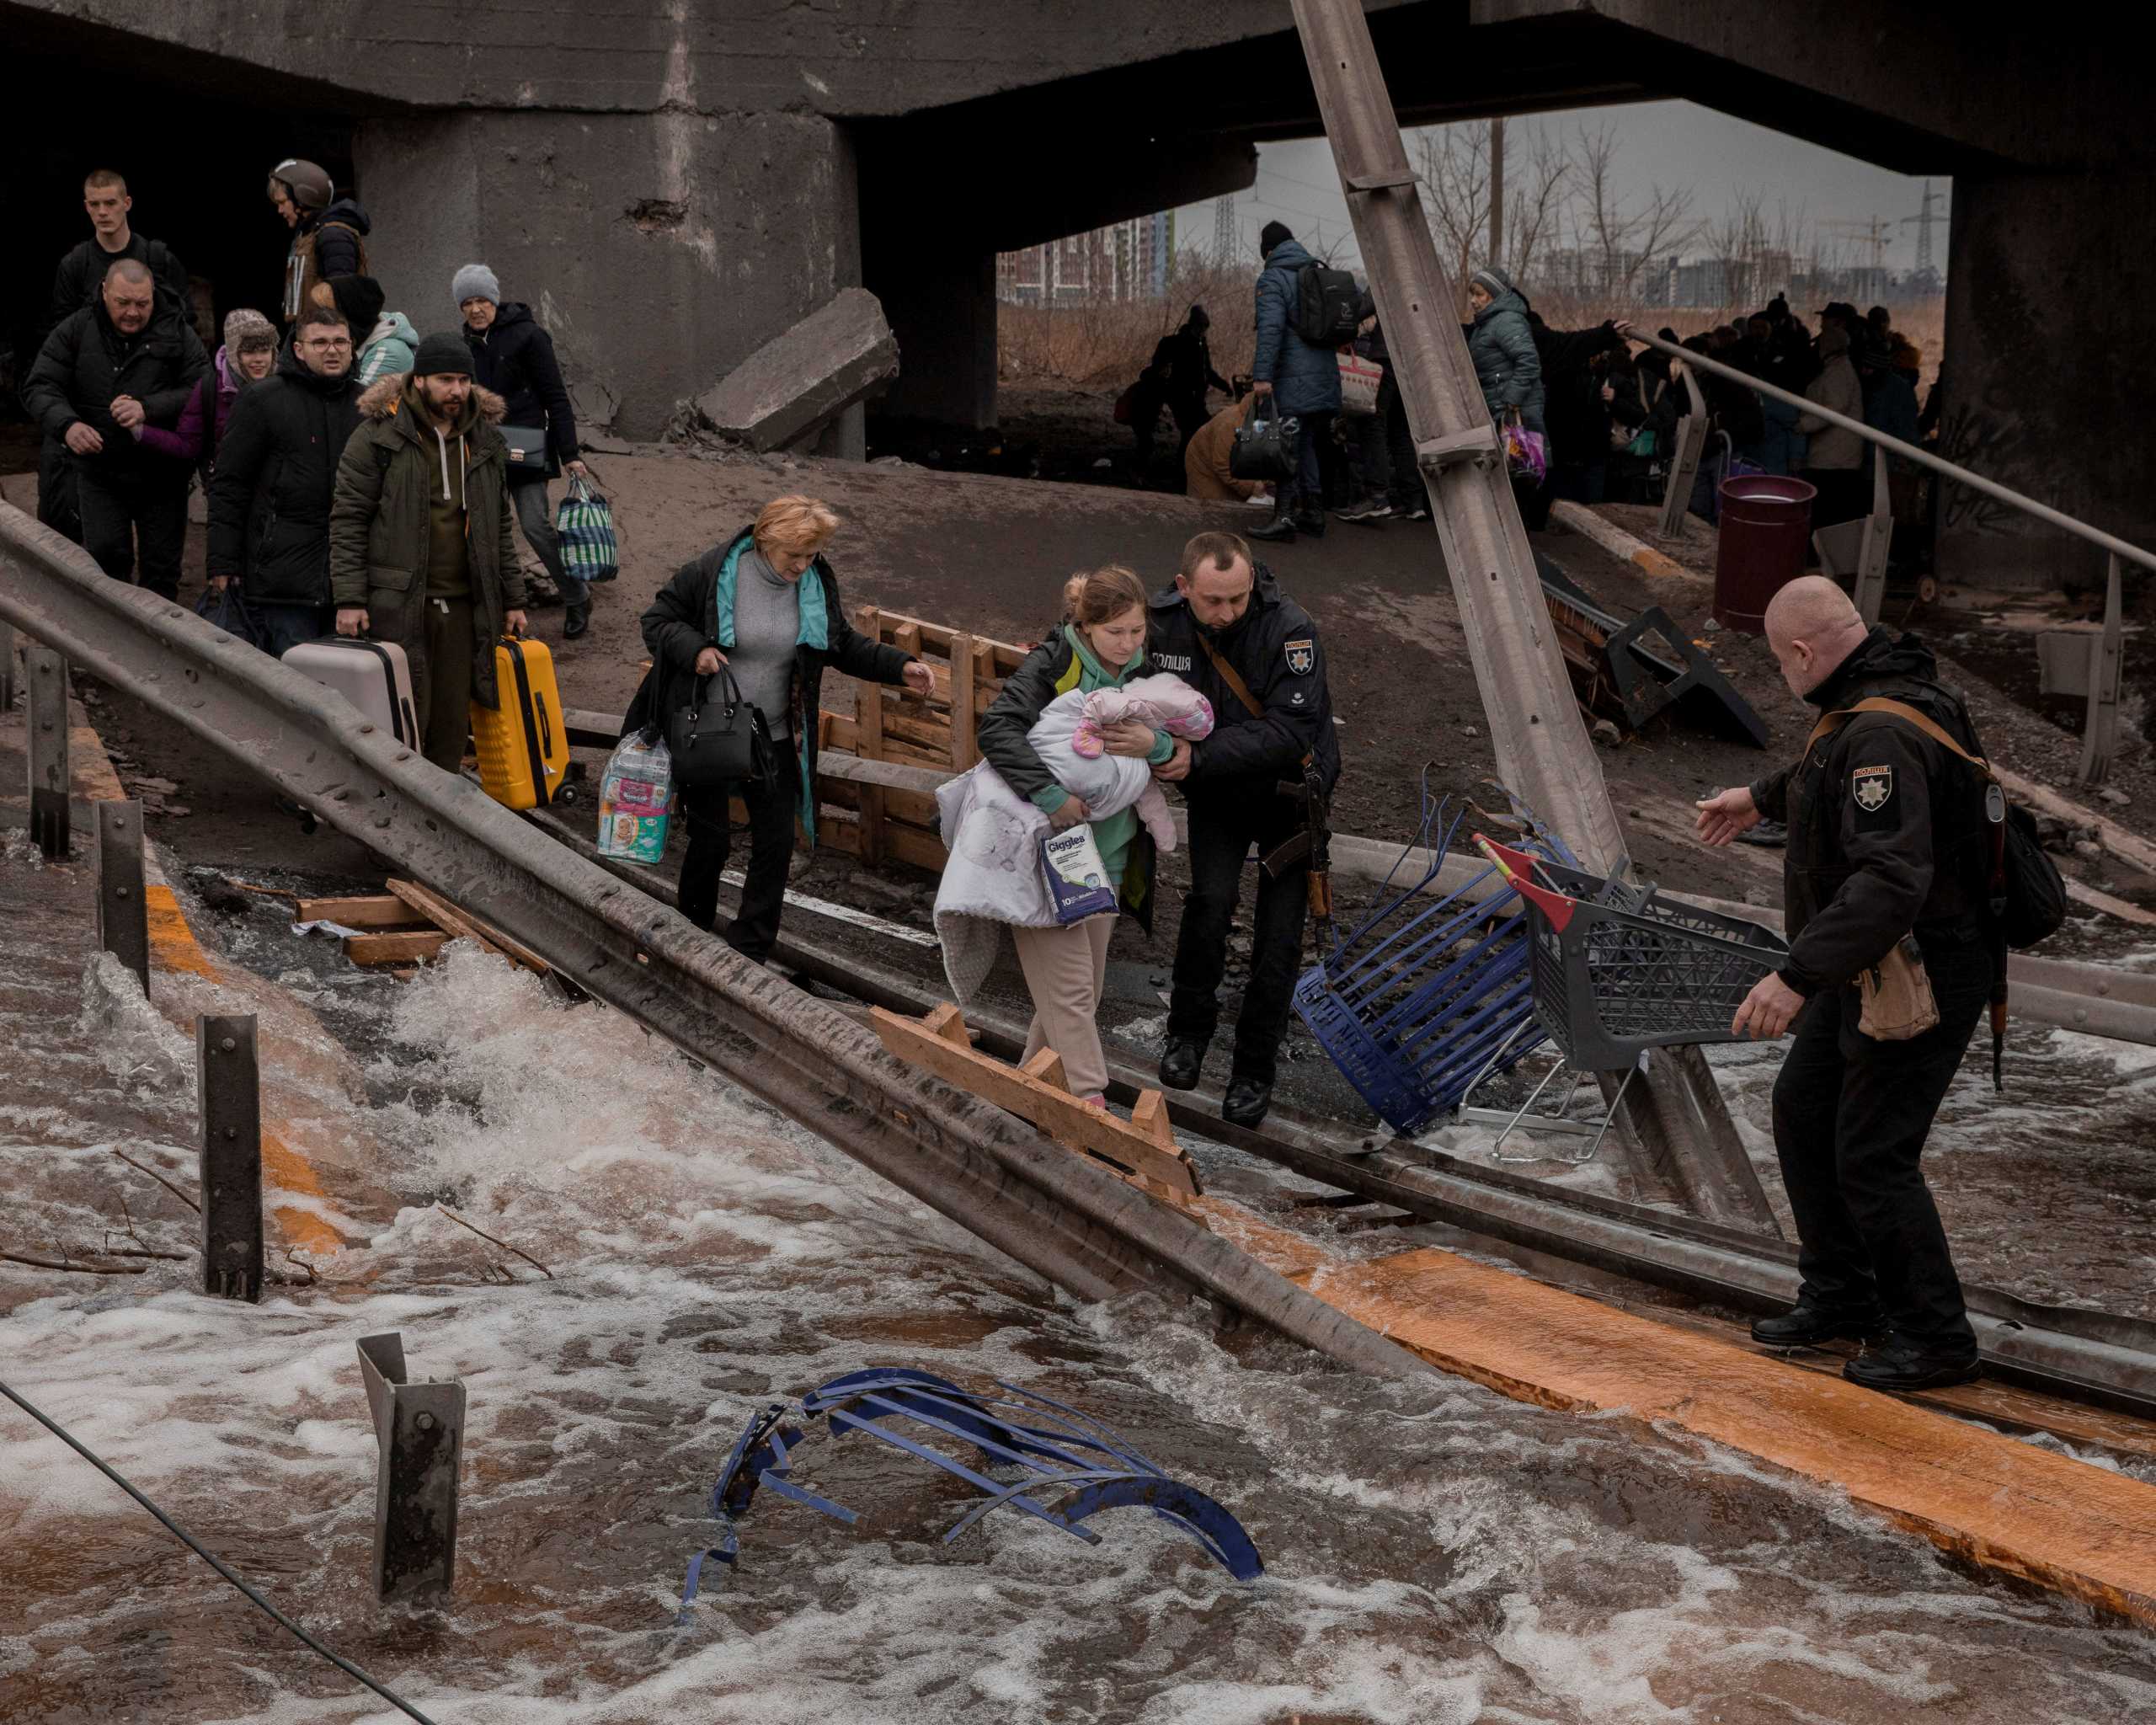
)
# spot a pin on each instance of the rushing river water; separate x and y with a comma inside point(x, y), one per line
point(1433, 1552)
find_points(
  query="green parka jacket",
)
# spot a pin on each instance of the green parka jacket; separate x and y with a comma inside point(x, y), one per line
point(378, 524)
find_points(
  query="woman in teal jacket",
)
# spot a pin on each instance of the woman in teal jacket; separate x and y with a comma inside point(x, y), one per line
point(1501, 342)
point(1101, 645)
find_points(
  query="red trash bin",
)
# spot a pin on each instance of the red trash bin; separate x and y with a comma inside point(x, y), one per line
point(1766, 526)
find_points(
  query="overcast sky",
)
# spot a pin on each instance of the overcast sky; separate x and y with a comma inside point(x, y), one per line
point(1674, 143)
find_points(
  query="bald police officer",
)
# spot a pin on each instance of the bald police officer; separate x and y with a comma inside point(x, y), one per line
point(1886, 840)
point(1226, 629)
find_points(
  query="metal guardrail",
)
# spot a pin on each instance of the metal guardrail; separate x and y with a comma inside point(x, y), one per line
point(1075, 1224)
point(1923, 457)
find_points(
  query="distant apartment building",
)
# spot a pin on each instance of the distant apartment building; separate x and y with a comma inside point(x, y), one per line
point(1125, 260)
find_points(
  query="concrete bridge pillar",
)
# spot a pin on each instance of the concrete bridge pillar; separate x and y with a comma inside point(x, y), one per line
point(659, 249)
point(2049, 371)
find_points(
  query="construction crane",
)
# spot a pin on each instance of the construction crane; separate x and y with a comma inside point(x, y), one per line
point(1877, 233)
point(1922, 222)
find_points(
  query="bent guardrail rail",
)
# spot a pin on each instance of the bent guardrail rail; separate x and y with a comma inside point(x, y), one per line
point(1073, 1224)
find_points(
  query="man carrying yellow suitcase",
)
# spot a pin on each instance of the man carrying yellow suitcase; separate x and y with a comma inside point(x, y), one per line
point(421, 550)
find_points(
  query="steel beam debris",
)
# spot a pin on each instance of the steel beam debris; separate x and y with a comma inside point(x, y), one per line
point(1684, 459)
point(46, 673)
point(123, 912)
point(1675, 1116)
point(418, 1432)
point(228, 1084)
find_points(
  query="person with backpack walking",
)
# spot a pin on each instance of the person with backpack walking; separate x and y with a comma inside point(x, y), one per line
point(330, 234)
point(1305, 313)
point(1889, 884)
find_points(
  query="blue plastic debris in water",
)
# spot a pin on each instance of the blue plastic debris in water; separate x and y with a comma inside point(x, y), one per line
point(1071, 1466)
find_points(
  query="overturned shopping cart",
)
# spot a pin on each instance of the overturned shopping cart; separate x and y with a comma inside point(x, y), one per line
point(1618, 970)
point(1430, 994)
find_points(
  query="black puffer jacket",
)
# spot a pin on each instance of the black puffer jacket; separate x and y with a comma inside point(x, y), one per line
point(514, 358)
point(85, 363)
point(275, 478)
point(1273, 646)
point(684, 617)
point(1887, 833)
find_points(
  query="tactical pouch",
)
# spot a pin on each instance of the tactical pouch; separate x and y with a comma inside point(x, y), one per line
point(1897, 995)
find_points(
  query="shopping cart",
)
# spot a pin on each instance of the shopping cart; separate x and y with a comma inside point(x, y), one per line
point(1619, 970)
point(1429, 995)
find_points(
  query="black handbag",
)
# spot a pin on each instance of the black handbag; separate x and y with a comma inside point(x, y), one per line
point(1264, 447)
point(718, 738)
point(530, 455)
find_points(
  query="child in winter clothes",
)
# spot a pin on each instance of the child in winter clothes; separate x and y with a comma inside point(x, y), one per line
point(1163, 701)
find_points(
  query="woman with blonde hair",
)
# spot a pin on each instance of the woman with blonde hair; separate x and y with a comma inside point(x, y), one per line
point(765, 605)
point(1100, 644)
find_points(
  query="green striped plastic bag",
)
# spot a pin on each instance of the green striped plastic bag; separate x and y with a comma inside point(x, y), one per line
point(584, 527)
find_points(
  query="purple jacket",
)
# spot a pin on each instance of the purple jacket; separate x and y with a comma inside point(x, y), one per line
point(195, 439)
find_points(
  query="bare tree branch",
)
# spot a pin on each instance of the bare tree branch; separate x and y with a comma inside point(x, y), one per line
point(491, 1241)
point(176, 1192)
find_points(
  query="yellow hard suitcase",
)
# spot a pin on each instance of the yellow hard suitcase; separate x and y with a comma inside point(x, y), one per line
point(524, 743)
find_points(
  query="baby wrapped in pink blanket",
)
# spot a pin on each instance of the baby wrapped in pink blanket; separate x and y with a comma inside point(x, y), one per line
point(1162, 701)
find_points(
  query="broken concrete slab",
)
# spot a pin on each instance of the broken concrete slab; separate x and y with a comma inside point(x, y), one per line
point(799, 381)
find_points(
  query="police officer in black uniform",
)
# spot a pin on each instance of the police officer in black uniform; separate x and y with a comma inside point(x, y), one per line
point(1887, 839)
point(1227, 629)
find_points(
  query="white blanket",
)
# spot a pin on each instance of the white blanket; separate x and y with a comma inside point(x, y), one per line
point(993, 875)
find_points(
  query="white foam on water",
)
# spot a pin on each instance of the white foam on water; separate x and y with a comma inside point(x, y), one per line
point(1433, 1551)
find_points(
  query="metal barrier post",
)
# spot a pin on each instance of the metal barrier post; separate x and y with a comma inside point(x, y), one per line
point(7, 667)
point(49, 771)
point(2107, 658)
point(1684, 464)
point(420, 1430)
point(229, 1086)
point(1877, 541)
point(123, 917)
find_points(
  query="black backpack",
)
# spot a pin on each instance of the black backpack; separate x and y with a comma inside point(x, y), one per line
point(1327, 302)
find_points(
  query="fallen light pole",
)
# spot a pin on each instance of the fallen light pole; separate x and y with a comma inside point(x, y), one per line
point(419, 1429)
point(1677, 1122)
point(228, 1084)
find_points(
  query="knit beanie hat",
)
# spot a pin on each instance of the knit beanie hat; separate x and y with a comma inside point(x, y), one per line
point(439, 354)
point(475, 281)
point(247, 332)
point(1273, 233)
point(359, 301)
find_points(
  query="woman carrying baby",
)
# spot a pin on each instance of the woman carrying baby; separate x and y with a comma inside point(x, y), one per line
point(1100, 646)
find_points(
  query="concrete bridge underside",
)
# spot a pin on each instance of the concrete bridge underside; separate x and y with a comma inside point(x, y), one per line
point(671, 182)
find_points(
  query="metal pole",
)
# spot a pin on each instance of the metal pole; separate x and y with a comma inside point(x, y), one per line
point(1685, 463)
point(1497, 192)
point(420, 1432)
point(49, 778)
point(123, 917)
point(7, 667)
point(1675, 1114)
point(1877, 541)
point(1922, 458)
point(2101, 733)
point(229, 1085)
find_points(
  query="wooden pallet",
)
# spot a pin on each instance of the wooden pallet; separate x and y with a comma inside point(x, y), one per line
point(410, 925)
point(1142, 1150)
point(895, 724)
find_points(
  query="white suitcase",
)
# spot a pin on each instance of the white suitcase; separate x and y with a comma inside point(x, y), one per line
point(371, 675)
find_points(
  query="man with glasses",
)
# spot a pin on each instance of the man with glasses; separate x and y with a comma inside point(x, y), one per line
point(276, 473)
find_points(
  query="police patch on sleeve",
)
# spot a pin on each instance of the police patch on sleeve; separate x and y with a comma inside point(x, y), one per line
point(1302, 655)
point(1871, 788)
